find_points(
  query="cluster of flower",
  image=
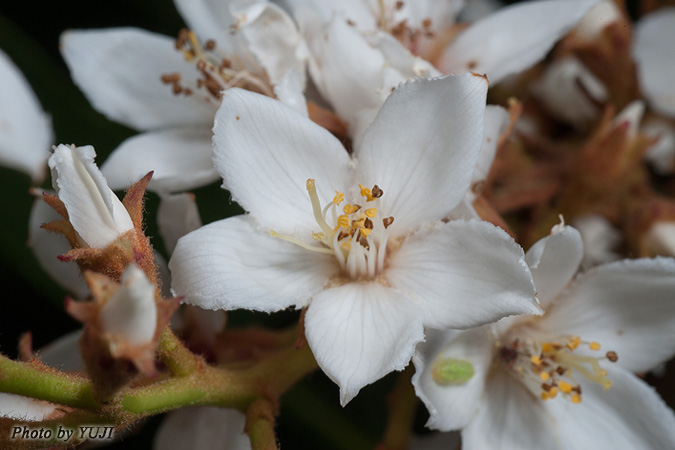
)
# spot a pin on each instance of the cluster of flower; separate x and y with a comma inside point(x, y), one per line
point(393, 158)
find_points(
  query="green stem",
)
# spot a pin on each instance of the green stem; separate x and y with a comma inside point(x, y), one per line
point(260, 424)
point(171, 351)
point(37, 381)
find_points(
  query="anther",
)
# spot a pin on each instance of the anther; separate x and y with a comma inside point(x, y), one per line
point(377, 192)
point(210, 44)
point(387, 221)
point(371, 212)
point(612, 356)
point(594, 346)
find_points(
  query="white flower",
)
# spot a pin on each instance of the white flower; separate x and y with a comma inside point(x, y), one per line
point(129, 317)
point(549, 382)
point(655, 57)
point(25, 129)
point(378, 37)
point(94, 210)
point(203, 428)
point(359, 239)
point(24, 408)
point(600, 240)
point(140, 79)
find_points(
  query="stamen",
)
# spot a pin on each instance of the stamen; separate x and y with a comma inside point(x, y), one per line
point(300, 243)
point(554, 363)
point(371, 212)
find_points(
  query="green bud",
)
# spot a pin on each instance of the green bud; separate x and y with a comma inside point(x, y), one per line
point(449, 371)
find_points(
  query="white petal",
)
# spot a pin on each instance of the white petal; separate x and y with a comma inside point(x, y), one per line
point(497, 46)
point(361, 331)
point(661, 238)
point(181, 159)
point(463, 274)
point(272, 37)
point(211, 19)
point(177, 215)
point(94, 210)
point(509, 418)
point(655, 57)
point(597, 19)
point(570, 91)
point(47, 245)
point(25, 129)
point(661, 155)
point(477, 9)
point(451, 406)
point(265, 152)
point(629, 416)
point(24, 408)
point(231, 264)
point(130, 315)
point(64, 353)
point(202, 428)
point(289, 91)
point(435, 129)
point(336, 49)
point(600, 240)
point(119, 70)
point(554, 260)
point(496, 122)
point(627, 306)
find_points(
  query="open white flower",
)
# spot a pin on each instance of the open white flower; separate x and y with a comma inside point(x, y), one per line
point(383, 40)
point(142, 80)
point(555, 381)
point(358, 239)
point(25, 129)
point(94, 211)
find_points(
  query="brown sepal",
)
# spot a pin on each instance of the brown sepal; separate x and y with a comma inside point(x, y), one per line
point(134, 200)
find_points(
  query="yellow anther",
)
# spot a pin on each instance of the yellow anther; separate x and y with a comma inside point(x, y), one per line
point(565, 387)
point(365, 231)
point(553, 392)
point(535, 359)
point(371, 212)
point(318, 236)
point(595, 346)
point(343, 222)
point(576, 398)
point(547, 347)
point(545, 396)
point(606, 384)
point(350, 209)
point(367, 193)
point(544, 376)
point(359, 223)
point(339, 197)
point(573, 343)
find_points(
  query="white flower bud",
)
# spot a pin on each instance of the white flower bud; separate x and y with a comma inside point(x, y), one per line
point(129, 317)
point(94, 210)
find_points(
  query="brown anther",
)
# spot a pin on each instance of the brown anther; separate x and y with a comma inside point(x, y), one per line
point(201, 66)
point(210, 44)
point(187, 92)
point(577, 389)
point(399, 5)
point(612, 356)
point(561, 370)
point(387, 221)
point(225, 64)
point(546, 387)
point(170, 78)
point(368, 224)
point(426, 23)
point(507, 354)
point(364, 242)
point(183, 36)
point(351, 23)
point(176, 89)
point(471, 65)
point(377, 192)
point(342, 235)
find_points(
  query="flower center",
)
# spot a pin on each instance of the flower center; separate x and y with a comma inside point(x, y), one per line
point(402, 30)
point(217, 72)
point(358, 235)
point(549, 368)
